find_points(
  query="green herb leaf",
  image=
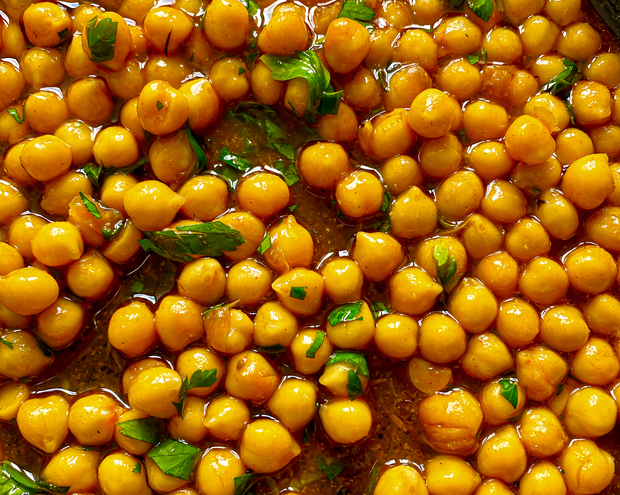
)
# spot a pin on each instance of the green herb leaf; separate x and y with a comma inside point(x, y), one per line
point(564, 79)
point(355, 359)
point(289, 172)
point(16, 481)
point(378, 309)
point(285, 149)
point(137, 468)
point(159, 105)
point(90, 206)
point(199, 378)
point(509, 391)
point(272, 349)
point(456, 3)
point(298, 293)
point(241, 70)
point(356, 10)
point(482, 8)
point(101, 37)
point(445, 262)
point(175, 458)
point(235, 160)
point(375, 474)
point(201, 157)
point(559, 390)
point(93, 172)
point(13, 113)
point(265, 244)
point(384, 224)
point(316, 345)
point(355, 388)
point(344, 313)
point(6, 343)
point(387, 201)
point(571, 113)
point(293, 208)
point(126, 170)
point(244, 482)
point(144, 429)
point(207, 239)
point(228, 174)
point(252, 7)
point(473, 59)
point(330, 102)
point(64, 34)
point(137, 287)
point(108, 233)
point(330, 466)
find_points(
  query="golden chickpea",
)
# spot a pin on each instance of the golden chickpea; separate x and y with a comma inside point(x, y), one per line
point(89, 100)
point(441, 157)
point(300, 346)
point(579, 41)
point(442, 339)
point(295, 98)
point(166, 28)
point(250, 376)
point(496, 409)
point(405, 84)
point(424, 255)
point(158, 480)
point(543, 281)
point(353, 334)
point(398, 480)
point(503, 202)
point(343, 280)
point(226, 417)
point(206, 197)
point(563, 11)
point(517, 322)
point(590, 412)
point(457, 36)
point(152, 205)
point(541, 432)
point(432, 113)
point(542, 477)
point(173, 70)
point(11, 260)
point(267, 446)
point(538, 35)
point(502, 45)
point(77, 62)
point(459, 78)
point(346, 45)
point(274, 325)
point(362, 90)
point(203, 280)
point(79, 137)
point(25, 358)
point(359, 194)
point(416, 47)
point(161, 108)
point(601, 315)
point(557, 214)
point(133, 371)
point(57, 244)
point(590, 269)
point(540, 371)
point(172, 158)
point(396, 336)
point(12, 131)
point(413, 291)
point(381, 41)
point(59, 193)
point(112, 61)
point(549, 109)
point(572, 144)
point(263, 194)
point(46, 24)
point(527, 239)
point(124, 245)
point(291, 246)
point(72, 467)
point(200, 359)
point(602, 227)
point(486, 357)
point(294, 402)
point(42, 67)
point(522, 86)
point(413, 214)
point(493, 487)
point(400, 173)
point(217, 471)
point(484, 121)
point(588, 468)
point(537, 178)
point(118, 475)
point(595, 363)
point(300, 277)
point(588, 181)
point(132, 329)
point(323, 164)
point(22, 229)
point(229, 78)
point(604, 68)
point(91, 276)
point(43, 422)
point(115, 146)
point(528, 140)
point(473, 305)
point(447, 474)
point(46, 157)
point(92, 419)
point(591, 103)
point(131, 445)
point(546, 67)
point(59, 325)
point(339, 127)
point(114, 189)
point(228, 330)
point(12, 83)
point(264, 88)
point(459, 195)
point(226, 24)
point(605, 140)
point(480, 237)
point(11, 33)
point(178, 322)
point(12, 200)
point(154, 392)
point(346, 421)
point(502, 455)
point(451, 421)
point(28, 291)
point(396, 13)
point(203, 101)
point(386, 135)
point(428, 378)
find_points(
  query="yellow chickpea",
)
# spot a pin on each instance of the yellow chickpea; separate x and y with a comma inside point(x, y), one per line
point(285, 33)
point(536, 178)
point(166, 28)
point(572, 144)
point(152, 205)
point(154, 392)
point(416, 47)
point(204, 103)
point(441, 157)
point(522, 86)
point(43, 422)
point(346, 45)
point(250, 376)
point(133, 371)
point(346, 421)
point(483, 120)
point(217, 470)
point(115, 60)
point(459, 195)
point(543, 281)
point(413, 291)
point(229, 78)
point(595, 363)
point(538, 35)
point(300, 346)
point(591, 103)
point(486, 357)
point(381, 41)
point(396, 336)
point(158, 480)
point(228, 330)
point(540, 371)
point(11, 33)
point(400, 173)
point(502, 455)
point(12, 83)
point(590, 412)
point(590, 269)
point(323, 164)
point(92, 419)
point(127, 82)
point(457, 36)
point(503, 202)
point(541, 432)
point(226, 417)
point(58, 194)
point(291, 246)
point(496, 409)
point(557, 214)
point(528, 140)
point(459, 78)
point(604, 68)
point(12, 200)
point(46, 157)
point(588, 181)
point(118, 475)
point(339, 127)
point(480, 237)
point(203, 280)
point(432, 113)
point(200, 359)
point(206, 197)
point(267, 446)
point(413, 214)
point(89, 100)
point(22, 229)
point(46, 24)
point(353, 334)
point(517, 322)
point(428, 378)
point(274, 325)
point(601, 315)
point(442, 339)
point(398, 480)
point(386, 135)
point(91, 276)
point(77, 62)
point(493, 487)
point(263, 194)
point(542, 477)
point(588, 468)
point(359, 194)
point(405, 84)
point(473, 305)
point(362, 90)
point(527, 239)
point(57, 244)
point(132, 329)
point(115, 146)
point(264, 88)
point(172, 158)
point(72, 467)
point(79, 137)
point(295, 98)
point(602, 227)
point(172, 70)
point(294, 402)
point(451, 475)
point(579, 41)
point(605, 140)
point(178, 322)
point(42, 67)
point(11, 260)
point(563, 11)
point(25, 358)
point(161, 108)
point(12, 131)
point(28, 291)
point(124, 245)
point(59, 325)
point(300, 277)
point(131, 445)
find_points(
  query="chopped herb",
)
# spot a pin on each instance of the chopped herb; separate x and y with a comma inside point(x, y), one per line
point(93, 172)
point(244, 482)
point(445, 262)
point(356, 360)
point(63, 35)
point(355, 388)
point(298, 293)
point(285, 149)
point(378, 309)
point(457, 3)
point(473, 59)
point(13, 113)
point(375, 474)
point(159, 105)
point(289, 172)
point(101, 37)
point(175, 458)
point(198, 151)
point(220, 306)
point(428, 30)
point(534, 191)
point(356, 10)
point(91, 207)
point(384, 224)
point(564, 79)
point(316, 345)
point(126, 170)
point(509, 391)
point(46, 350)
point(137, 287)
point(6, 343)
point(199, 378)
point(252, 7)
point(228, 174)
point(382, 76)
point(559, 390)
point(235, 160)
point(562, 471)
point(109, 233)
point(345, 313)
point(571, 113)
point(144, 429)
point(330, 102)
point(482, 8)
point(272, 349)
point(265, 244)
point(330, 466)
point(387, 201)
point(293, 208)
point(137, 468)
point(207, 239)
point(16, 481)
point(241, 70)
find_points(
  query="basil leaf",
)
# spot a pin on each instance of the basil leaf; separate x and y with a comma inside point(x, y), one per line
point(559, 390)
point(316, 345)
point(355, 359)
point(235, 160)
point(387, 201)
point(272, 349)
point(16, 481)
point(445, 263)
point(144, 429)
point(509, 391)
point(91, 207)
point(252, 7)
point(244, 482)
point(355, 388)
point(137, 468)
point(159, 104)
point(199, 378)
point(482, 8)
point(126, 170)
point(101, 37)
point(378, 309)
point(110, 233)
point(6, 343)
point(330, 103)
point(356, 10)
point(563, 79)
point(175, 458)
point(13, 113)
point(265, 244)
point(330, 466)
point(93, 172)
point(285, 149)
point(207, 239)
point(289, 172)
point(344, 313)
point(228, 174)
point(473, 59)
point(201, 157)
point(298, 293)
point(293, 208)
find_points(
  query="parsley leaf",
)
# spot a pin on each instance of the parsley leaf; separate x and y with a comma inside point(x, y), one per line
point(482, 8)
point(91, 207)
point(445, 262)
point(378, 309)
point(358, 11)
point(563, 79)
point(144, 429)
point(473, 59)
point(93, 172)
point(387, 201)
point(200, 154)
point(175, 458)
point(285, 149)
point(137, 468)
point(159, 104)
point(13, 113)
point(235, 160)
point(316, 345)
point(355, 388)
point(207, 239)
point(265, 244)
point(101, 37)
point(6, 343)
point(307, 65)
point(16, 481)
point(293, 208)
point(272, 349)
point(289, 172)
point(330, 466)
point(137, 287)
point(355, 359)
point(344, 313)
point(509, 391)
point(252, 7)
point(298, 293)
point(244, 482)
point(200, 378)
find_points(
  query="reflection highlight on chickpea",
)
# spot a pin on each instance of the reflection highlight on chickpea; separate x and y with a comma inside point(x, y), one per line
point(350, 247)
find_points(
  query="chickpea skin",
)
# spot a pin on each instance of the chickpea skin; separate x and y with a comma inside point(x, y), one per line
point(588, 468)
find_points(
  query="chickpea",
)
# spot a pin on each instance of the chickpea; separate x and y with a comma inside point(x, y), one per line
point(359, 194)
point(267, 446)
point(166, 28)
point(603, 68)
point(118, 475)
point(503, 202)
point(132, 329)
point(264, 88)
point(294, 402)
point(25, 358)
point(10, 259)
point(528, 140)
point(601, 315)
point(457, 36)
point(413, 214)
point(296, 95)
point(229, 78)
point(43, 422)
point(405, 84)
point(299, 348)
point(546, 67)
point(400, 173)
point(92, 419)
point(154, 392)
point(204, 103)
point(178, 322)
point(300, 277)
point(381, 44)
point(542, 433)
point(428, 378)
point(200, 359)
point(273, 325)
point(173, 70)
point(595, 363)
point(15, 170)
point(602, 227)
point(517, 322)
point(158, 480)
point(228, 330)
point(346, 45)
point(59, 193)
point(413, 291)
point(480, 237)
point(171, 113)
point(124, 245)
point(563, 11)
point(424, 256)
point(362, 90)
point(442, 339)
point(91, 276)
point(432, 113)
point(22, 229)
point(606, 140)
point(542, 477)
point(588, 181)
point(441, 157)
point(579, 41)
point(346, 421)
point(263, 194)
point(396, 13)
point(540, 371)
point(59, 325)
point(115, 146)
point(543, 281)
point(459, 78)
point(226, 418)
point(538, 35)
point(79, 137)
point(459, 195)
point(45, 23)
point(590, 269)
point(122, 44)
point(451, 421)
point(550, 109)
point(12, 200)
point(591, 103)
point(477, 361)
point(484, 121)
point(590, 412)
point(323, 164)
point(10, 130)
point(572, 144)
point(522, 86)
point(74, 468)
point(46, 158)
point(588, 468)
point(203, 280)
point(396, 336)
point(251, 376)
point(131, 445)
point(557, 214)
point(13, 39)
point(416, 47)
point(42, 67)
point(527, 239)
point(353, 334)
point(339, 127)
point(451, 475)
point(398, 480)
point(536, 178)
point(495, 408)
point(502, 455)
point(12, 83)
point(248, 282)
point(77, 62)
point(387, 135)
point(493, 487)
point(152, 205)
point(473, 305)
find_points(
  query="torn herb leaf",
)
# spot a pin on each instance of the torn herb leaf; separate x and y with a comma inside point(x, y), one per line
point(109, 233)
point(235, 160)
point(199, 378)
point(378, 309)
point(285, 149)
point(387, 201)
point(356, 10)
point(137, 287)
point(445, 263)
point(559, 389)
point(473, 59)
point(93, 172)
point(101, 38)
point(293, 208)
point(356, 360)
point(201, 157)
point(175, 458)
point(144, 429)
point(6, 343)
point(244, 482)
point(159, 104)
point(482, 8)
point(17, 481)
point(330, 466)
point(13, 113)
point(289, 172)
point(137, 468)
point(564, 79)
point(355, 388)
point(252, 7)
point(509, 391)
point(316, 345)
point(272, 349)
point(91, 207)
point(265, 244)
point(298, 293)
point(345, 313)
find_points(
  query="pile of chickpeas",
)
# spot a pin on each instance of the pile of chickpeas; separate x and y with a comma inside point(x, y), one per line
point(454, 135)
